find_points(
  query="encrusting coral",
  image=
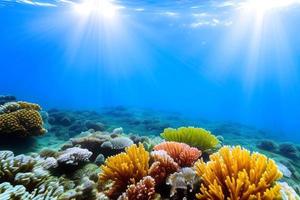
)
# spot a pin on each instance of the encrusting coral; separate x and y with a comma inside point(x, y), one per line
point(195, 137)
point(233, 173)
point(124, 169)
point(143, 190)
point(21, 119)
point(182, 153)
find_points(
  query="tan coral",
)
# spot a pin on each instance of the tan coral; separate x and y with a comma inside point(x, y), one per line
point(22, 122)
point(236, 174)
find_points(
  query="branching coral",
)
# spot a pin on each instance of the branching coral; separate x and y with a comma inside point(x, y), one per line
point(182, 153)
point(162, 166)
point(124, 169)
point(143, 190)
point(21, 119)
point(236, 174)
point(195, 137)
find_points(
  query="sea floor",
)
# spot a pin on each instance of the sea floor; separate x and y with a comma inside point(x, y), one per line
point(62, 125)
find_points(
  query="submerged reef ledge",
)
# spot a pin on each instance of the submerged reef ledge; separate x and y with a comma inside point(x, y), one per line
point(88, 156)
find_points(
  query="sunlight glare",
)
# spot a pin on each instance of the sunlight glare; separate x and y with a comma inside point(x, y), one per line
point(262, 6)
point(103, 8)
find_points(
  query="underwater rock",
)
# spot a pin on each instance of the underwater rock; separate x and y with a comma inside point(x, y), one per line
point(288, 150)
point(100, 159)
point(97, 126)
point(267, 145)
point(74, 156)
point(66, 121)
point(7, 98)
point(115, 146)
point(118, 131)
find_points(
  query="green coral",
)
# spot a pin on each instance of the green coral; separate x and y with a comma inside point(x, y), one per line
point(196, 137)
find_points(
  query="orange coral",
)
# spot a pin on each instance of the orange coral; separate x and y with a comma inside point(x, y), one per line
point(124, 169)
point(143, 190)
point(22, 122)
point(236, 174)
point(162, 166)
point(182, 153)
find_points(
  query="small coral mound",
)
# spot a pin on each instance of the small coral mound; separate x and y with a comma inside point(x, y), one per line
point(182, 153)
point(195, 137)
point(124, 169)
point(143, 190)
point(162, 166)
point(21, 119)
point(235, 173)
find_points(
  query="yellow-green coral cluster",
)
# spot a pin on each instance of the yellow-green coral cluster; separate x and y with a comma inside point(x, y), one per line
point(21, 118)
point(195, 137)
point(233, 173)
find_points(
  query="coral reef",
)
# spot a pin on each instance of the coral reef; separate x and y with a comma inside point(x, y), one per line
point(287, 192)
point(6, 98)
point(288, 150)
point(267, 145)
point(184, 180)
point(182, 153)
point(73, 156)
point(195, 137)
point(162, 166)
point(235, 173)
point(21, 119)
point(124, 169)
point(27, 177)
point(143, 190)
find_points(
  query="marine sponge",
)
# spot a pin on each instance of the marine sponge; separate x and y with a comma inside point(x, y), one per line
point(182, 153)
point(124, 169)
point(143, 190)
point(236, 174)
point(162, 166)
point(23, 122)
point(195, 137)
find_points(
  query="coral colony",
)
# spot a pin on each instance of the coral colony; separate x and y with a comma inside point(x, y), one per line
point(185, 163)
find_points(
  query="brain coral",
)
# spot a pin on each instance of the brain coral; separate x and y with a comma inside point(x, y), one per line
point(182, 153)
point(195, 137)
point(124, 169)
point(236, 174)
point(24, 121)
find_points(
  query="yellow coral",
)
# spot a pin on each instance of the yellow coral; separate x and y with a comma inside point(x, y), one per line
point(29, 106)
point(236, 174)
point(124, 169)
point(22, 122)
point(195, 137)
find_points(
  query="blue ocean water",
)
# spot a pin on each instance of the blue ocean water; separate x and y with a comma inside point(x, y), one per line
point(220, 60)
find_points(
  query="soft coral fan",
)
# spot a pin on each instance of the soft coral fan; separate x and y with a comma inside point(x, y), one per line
point(236, 174)
point(182, 153)
point(195, 137)
point(124, 169)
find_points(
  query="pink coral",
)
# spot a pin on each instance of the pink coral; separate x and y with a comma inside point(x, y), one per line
point(182, 153)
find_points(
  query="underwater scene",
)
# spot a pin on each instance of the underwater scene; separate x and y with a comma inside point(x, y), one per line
point(149, 100)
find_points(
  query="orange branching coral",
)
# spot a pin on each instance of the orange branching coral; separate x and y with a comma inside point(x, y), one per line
point(236, 174)
point(22, 122)
point(182, 153)
point(124, 169)
point(162, 166)
point(143, 190)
